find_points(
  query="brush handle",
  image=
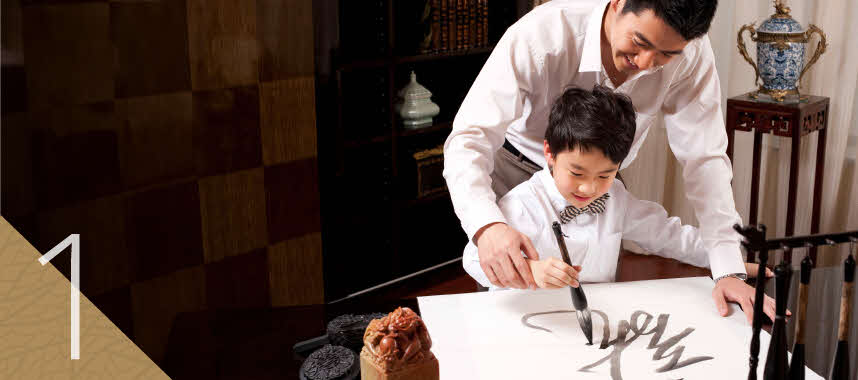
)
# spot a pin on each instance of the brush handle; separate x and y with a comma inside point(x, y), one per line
point(845, 302)
point(558, 234)
point(846, 297)
point(578, 297)
point(757, 323)
point(840, 368)
point(777, 365)
point(802, 313)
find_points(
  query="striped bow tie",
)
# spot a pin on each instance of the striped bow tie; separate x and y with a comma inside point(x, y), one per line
point(595, 207)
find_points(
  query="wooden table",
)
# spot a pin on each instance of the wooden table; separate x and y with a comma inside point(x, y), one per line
point(257, 343)
point(792, 120)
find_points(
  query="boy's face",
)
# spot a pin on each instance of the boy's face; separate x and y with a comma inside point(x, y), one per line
point(581, 176)
point(640, 42)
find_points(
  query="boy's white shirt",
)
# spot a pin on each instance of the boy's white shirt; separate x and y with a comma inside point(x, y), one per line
point(555, 46)
point(593, 241)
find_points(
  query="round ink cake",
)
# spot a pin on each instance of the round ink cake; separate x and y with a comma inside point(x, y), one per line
point(347, 330)
point(331, 363)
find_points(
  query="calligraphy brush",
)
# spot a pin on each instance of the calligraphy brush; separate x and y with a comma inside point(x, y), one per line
point(777, 365)
point(796, 366)
point(840, 369)
point(755, 238)
point(578, 297)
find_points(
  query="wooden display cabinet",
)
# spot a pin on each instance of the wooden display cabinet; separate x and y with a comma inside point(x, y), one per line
point(376, 226)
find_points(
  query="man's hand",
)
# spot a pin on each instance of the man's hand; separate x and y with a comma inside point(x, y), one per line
point(731, 289)
point(752, 269)
point(499, 247)
point(553, 273)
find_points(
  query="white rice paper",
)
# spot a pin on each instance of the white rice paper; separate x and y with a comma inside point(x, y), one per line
point(482, 335)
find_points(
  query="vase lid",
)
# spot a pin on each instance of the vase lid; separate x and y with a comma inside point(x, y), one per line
point(414, 90)
point(781, 21)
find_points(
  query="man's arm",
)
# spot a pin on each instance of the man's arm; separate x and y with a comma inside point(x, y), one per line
point(495, 100)
point(647, 224)
point(696, 133)
point(697, 136)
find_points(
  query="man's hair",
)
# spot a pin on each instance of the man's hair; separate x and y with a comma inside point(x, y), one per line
point(690, 18)
point(600, 119)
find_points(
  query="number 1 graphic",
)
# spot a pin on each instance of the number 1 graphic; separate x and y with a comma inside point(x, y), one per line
point(74, 241)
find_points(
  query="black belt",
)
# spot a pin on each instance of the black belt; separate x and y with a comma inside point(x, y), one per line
point(508, 146)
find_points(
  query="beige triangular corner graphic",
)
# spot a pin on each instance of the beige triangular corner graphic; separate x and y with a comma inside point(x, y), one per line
point(35, 324)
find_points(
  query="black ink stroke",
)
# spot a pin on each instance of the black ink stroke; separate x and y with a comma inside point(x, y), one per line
point(623, 340)
point(527, 316)
point(674, 362)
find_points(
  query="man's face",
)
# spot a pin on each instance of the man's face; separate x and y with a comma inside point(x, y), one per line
point(581, 176)
point(640, 42)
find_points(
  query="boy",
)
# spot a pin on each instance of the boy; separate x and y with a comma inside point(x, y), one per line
point(589, 134)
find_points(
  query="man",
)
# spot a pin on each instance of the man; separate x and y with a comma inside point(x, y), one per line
point(657, 53)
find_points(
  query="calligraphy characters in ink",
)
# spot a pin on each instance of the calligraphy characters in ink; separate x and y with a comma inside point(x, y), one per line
point(627, 332)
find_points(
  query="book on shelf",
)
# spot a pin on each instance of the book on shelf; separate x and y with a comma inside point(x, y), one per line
point(460, 24)
point(445, 27)
point(484, 20)
point(436, 25)
point(451, 20)
point(472, 23)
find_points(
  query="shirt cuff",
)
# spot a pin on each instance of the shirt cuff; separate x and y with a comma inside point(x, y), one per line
point(726, 258)
point(481, 214)
point(473, 268)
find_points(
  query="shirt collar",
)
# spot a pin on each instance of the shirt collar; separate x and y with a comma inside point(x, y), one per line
point(557, 200)
point(591, 54)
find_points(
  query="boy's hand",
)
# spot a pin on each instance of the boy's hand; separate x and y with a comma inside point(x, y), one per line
point(731, 289)
point(553, 273)
point(499, 247)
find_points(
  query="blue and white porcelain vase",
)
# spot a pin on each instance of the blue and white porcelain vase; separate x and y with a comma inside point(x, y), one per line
point(780, 52)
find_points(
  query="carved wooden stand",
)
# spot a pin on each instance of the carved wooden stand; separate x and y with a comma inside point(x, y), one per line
point(793, 120)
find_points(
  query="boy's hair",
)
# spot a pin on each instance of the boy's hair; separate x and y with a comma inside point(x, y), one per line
point(600, 119)
point(690, 18)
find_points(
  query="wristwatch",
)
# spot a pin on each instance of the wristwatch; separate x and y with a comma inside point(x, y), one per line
point(741, 276)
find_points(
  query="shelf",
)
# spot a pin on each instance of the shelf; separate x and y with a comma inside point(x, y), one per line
point(350, 65)
point(427, 199)
point(446, 54)
point(354, 143)
point(361, 142)
point(448, 125)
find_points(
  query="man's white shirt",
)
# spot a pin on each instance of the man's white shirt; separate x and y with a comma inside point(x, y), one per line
point(556, 46)
point(593, 241)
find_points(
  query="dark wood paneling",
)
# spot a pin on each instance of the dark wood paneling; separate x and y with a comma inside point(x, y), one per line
point(156, 139)
point(233, 214)
point(223, 45)
point(292, 195)
point(226, 130)
point(163, 227)
point(151, 47)
point(239, 281)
